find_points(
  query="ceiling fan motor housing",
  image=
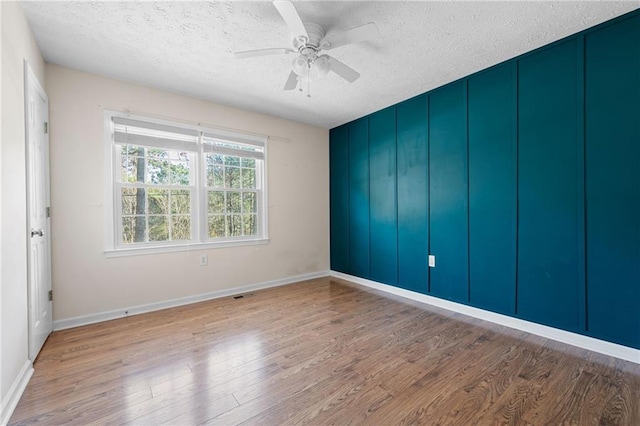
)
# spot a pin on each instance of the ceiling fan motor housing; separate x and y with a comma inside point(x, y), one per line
point(316, 34)
point(308, 49)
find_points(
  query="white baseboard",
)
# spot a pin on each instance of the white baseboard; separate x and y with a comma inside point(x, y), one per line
point(156, 306)
point(10, 401)
point(585, 342)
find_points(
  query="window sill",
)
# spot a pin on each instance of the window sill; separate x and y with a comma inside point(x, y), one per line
point(137, 251)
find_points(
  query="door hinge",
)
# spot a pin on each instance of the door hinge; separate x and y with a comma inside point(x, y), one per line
point(46, 127)
point(50, 295)
point(48, 211)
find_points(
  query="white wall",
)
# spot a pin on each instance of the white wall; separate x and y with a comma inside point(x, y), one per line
point(85, 282)
point(17, 45)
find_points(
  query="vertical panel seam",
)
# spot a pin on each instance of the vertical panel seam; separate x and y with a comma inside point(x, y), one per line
point(428, 119)
point(516, 101)
point(350, 232)
point(349, 193)
point(582, 185)
point(332, 207)
point(369, 197)
point(348, 265)
point(395, 135)
point(466, 120)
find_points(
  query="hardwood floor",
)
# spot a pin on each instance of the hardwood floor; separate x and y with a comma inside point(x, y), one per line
point(320, 352)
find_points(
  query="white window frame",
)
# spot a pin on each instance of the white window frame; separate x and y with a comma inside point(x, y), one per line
point(199, 199)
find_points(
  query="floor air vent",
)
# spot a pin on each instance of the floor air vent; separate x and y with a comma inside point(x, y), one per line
point(242, 296)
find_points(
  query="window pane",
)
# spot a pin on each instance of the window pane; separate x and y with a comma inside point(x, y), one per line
point(233, 202)
point(133, 201)
point(230, 160)
point(133, 229)
point(215, 176)
point(128, 198)
point(180, 228)
point(180, 201)
point(158, 228)
point(249, 163)
point(249, 222)
point(215, 159)
point(216, 226)
point(157, 153)
point(216, 202)
point(180, 173)
point(209, 175)
point(159, 172)
point(248, 178)
point(232, 177)
point(128, 229)
point(158, 201)
point(249, 202)
point(133, 163)
point(130, 169)
point(129, 150)
point(234, 224)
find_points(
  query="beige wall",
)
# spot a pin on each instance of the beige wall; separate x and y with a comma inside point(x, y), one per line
point(17, 45)
point(86, 282)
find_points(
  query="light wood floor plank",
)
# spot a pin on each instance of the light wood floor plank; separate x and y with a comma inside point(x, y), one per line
point(322, 351)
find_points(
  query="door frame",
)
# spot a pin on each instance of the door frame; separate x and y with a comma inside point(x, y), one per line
point(31, 81)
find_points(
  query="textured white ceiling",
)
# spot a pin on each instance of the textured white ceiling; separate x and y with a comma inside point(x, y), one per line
point(186, 47)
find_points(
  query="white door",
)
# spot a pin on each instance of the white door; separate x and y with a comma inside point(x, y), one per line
point(38, 212)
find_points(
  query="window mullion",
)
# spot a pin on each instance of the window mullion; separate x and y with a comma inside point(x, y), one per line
point(169, 215)
point(195, 193)
point(199, 199)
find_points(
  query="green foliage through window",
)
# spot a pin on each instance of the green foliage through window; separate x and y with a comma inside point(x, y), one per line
point(232, 199)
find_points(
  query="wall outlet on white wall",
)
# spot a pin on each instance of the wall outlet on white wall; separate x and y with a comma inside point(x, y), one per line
point(432, 261)
point(204, 259)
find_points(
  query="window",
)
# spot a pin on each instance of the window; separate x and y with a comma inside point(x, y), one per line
point(178, 185)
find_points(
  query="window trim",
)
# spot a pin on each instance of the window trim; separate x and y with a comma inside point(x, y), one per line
point(199, 217)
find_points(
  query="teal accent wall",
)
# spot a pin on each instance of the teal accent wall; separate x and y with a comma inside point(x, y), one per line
point(550, 199)
point(448, 179)
point(413, 191)
point(358, 164)
point(523, 180)
point(383, 226)
point(492, 104)
point(339, 190)
point(612, 123)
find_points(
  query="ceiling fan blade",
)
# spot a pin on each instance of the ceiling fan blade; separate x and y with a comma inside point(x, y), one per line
point(291, 17)
point(354, 35)
point(343, 70)
point(292, 81)
point(262, 52)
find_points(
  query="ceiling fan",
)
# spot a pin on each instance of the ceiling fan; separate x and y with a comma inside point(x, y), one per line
point(309, 40)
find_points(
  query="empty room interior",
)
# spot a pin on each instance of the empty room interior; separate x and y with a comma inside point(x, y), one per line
point(320, 212)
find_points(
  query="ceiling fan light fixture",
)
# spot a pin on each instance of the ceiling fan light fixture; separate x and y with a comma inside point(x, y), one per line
point(299, 65)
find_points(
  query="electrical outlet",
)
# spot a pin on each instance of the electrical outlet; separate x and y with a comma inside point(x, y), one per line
point(204, 260)
point(432, 261)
